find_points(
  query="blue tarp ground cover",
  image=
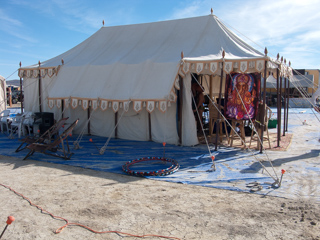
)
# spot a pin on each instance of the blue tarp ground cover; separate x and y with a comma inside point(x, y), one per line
point(195, 162)
point(235, 168)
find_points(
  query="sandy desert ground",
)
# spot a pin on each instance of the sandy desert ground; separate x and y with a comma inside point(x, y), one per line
point(113, 202)
point(139, 206)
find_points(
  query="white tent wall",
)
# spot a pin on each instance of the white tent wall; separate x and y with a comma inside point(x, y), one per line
point(164, 125)
point(189, 127)
point(133, 125)
point(31, 94)
point(3, 94)
point(46, 85)
point(74, 114)
point(102, 123)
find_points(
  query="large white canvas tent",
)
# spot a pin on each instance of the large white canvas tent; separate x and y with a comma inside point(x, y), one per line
point(3, 101)
point(134, 79)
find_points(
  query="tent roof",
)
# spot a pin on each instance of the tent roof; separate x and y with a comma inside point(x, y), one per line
point(141, 61)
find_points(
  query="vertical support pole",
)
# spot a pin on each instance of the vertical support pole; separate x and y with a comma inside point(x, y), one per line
point(264, 101)
point(4, 93)
point(21, 99)
point(88, 111)
point(288, 100)
point(116, 125)
point(278, 109)
point(40, 102)
point(62, 107)
point(9, 93)
point(285, 107)
point(180, 109)
point(149, 121)
point(180, 105)
point(288, 96)
point(210, 102)
point(219, 106)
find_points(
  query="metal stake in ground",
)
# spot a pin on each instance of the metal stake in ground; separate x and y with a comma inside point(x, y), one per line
point(164, 149)
point(9, 221)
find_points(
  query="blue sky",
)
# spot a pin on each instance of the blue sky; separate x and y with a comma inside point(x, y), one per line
point(33, 30)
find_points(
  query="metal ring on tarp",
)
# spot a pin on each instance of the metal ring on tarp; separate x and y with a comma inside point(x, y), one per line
point(173, 168)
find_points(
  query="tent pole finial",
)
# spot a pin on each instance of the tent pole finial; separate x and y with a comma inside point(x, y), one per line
point(285, 61)
point(39, 63)
point(278, 56)
point(265, 51)
point(281, 58)
point(20, 64)
point(62, 61)
point(223, 54)
point(103, 23)
point(211, 11)
point(182, 55)
point(289, 64)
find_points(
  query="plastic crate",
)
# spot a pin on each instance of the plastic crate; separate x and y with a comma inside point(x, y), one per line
point(272, 123)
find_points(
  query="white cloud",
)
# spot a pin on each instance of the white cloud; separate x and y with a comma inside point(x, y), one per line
point(6, 19)
point(77, 16)
point(14, 27)
point(289, 27)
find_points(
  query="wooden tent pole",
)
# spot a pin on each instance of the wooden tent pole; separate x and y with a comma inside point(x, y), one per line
point(288, 96)
point(288, 100)
point(10, 96)
point(180, 105)
point(210, 95)
point(285, 107)
point(116, 125)
point(62, 108)
point(219, 106)
point(278, 108)
point(264, 100)
point(88, 111)
point(149, 121)
point(40, 102)
point(180, 109)
point(280, 92)
point(21, 99)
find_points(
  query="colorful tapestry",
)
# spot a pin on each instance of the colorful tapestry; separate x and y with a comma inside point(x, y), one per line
point(242, 95)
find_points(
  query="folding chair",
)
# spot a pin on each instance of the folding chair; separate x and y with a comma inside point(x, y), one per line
point(27, 123)
point(4, 115)
point(234, 135)
point(52, 148)
point(16, 125)
point(45, 137)
point(215, 120)
point(260, 128)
